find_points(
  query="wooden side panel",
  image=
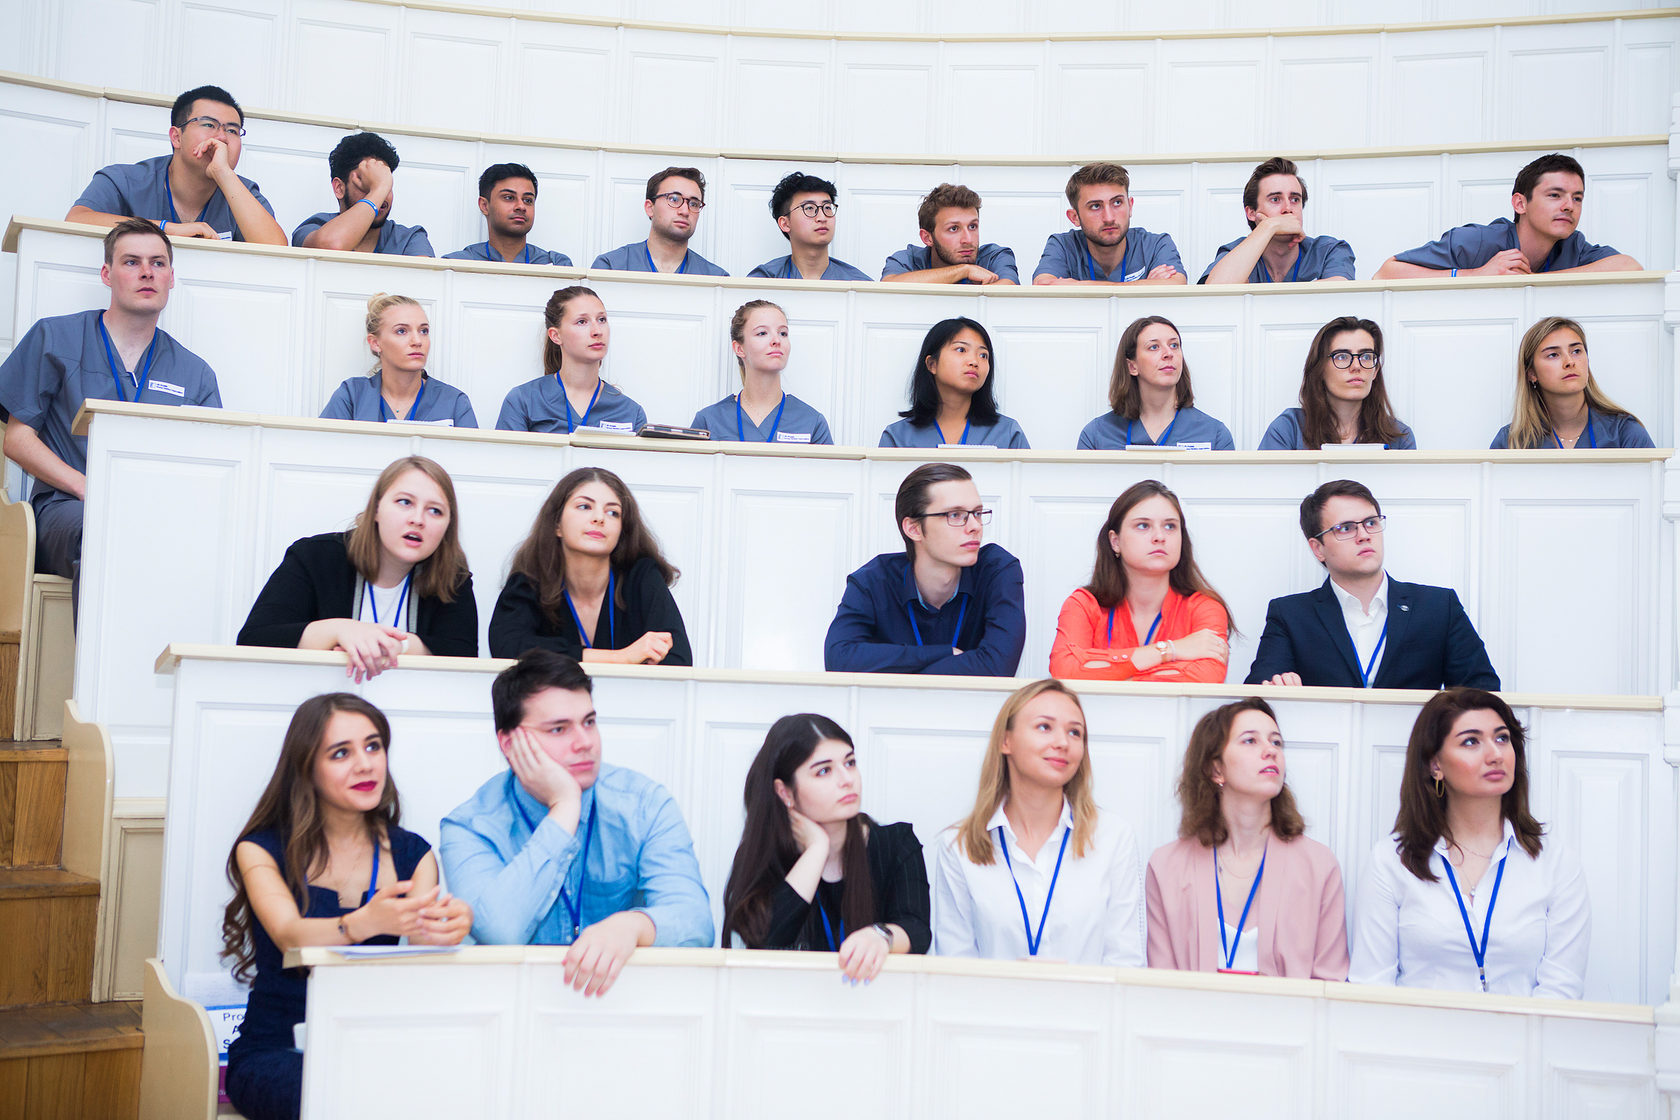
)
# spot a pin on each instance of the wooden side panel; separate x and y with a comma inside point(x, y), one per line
point(178, 1070)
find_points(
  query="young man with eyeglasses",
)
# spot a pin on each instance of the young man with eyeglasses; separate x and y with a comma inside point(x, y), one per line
point(804, 208)
point(947, 604)
point(363, 167)
point(193, 191)
point(1362, 629)
point(951, 252)
point(563, 849)
point(675, 197)
point(1278, 250)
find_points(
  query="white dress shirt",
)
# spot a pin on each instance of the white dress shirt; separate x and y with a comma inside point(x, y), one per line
point(1409, 932)
point(1365, 627)
point(1095, 916)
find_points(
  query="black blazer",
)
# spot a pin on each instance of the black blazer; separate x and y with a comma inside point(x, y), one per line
point(316, 580)
point(1431, 642)
point(519, 624)
point(898, 881)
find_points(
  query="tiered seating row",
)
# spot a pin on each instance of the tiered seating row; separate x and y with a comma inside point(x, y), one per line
point(230, 492)
point(1598, 779)
point(1033, 95)
point(283, 327)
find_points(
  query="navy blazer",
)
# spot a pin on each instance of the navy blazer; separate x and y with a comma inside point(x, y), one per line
point(1431, 642)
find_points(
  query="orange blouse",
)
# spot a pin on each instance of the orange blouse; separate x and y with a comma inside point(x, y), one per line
point(1082, 635)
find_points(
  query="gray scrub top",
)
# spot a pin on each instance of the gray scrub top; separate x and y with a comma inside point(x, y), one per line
point(1005, 433)
point(540, 405)
point(394, 238)
point(1284, 434)
point(1472, 246)
point(1602, 432)
point(635, 257)
point(1066, 256)
point(919, 258)
point(1320, 257)
point(531, 255)
point(782, 268)
point(798, 423)
point(358, 398)
point(1191, 429)
point(141, 190)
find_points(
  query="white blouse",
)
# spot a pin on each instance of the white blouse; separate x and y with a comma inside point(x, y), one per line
point(1095, 916)
point(1410, 933)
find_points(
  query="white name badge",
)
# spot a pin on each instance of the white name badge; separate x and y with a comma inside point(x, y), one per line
point(793, 437)
point(166, 387)
point(611, 426)
point(1195, 446)
point(446, 422)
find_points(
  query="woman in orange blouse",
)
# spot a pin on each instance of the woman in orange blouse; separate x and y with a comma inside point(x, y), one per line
point(1148, 614)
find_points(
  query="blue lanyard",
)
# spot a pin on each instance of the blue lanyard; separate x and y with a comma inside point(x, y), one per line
point(740, 431)
point(385, 413)
point(525, 257)
point(1034, 942)
point(955, 634)
point(397, 614)
point(1230, 950)
point(1146, 641)
point(606, 605)
point(647, 252)
point(1366, 673)
point(567, 401)
point(373, 880)
point(1091, 262)
point(1162, 442)
point(111, 358)
point(828, 930)
point(1592, 437)
point(574, 910)
point(169, 196)
point(963, 442)
point(1266, 273)
point(1478, 951)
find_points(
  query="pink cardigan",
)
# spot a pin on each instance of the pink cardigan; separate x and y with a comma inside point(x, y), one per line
point(1298, 910)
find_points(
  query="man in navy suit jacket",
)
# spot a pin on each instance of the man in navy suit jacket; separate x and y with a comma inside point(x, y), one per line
point(1362, 629)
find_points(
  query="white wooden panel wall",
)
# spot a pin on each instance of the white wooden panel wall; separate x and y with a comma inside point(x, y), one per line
point(283, 328)
point(229, 497)
point(716, 89)
point(1598, 778)
point(591, 199)
point(494, 1033)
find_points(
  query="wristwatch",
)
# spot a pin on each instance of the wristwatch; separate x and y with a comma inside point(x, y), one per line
point(1161, 647)
point(880, 928)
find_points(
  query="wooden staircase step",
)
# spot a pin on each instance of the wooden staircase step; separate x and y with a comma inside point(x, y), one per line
point(48, 919)
point(32, 777)
point(67, 1028)
point(71, 1061)
point(44, 882)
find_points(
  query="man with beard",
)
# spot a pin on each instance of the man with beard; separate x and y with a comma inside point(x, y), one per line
point(1106, 248)
point(951, 252)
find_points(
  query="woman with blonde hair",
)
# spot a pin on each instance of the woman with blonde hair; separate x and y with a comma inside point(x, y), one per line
point(1558, 404)
point(1037, 869)
point(1242, 853)
point(396, 582)
point(571, 393)
point(398, 387)
point(762, 412)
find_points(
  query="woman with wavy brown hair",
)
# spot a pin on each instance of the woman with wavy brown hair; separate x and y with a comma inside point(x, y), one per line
point(590, 582)
point(1243, 889)
point(1342, 395)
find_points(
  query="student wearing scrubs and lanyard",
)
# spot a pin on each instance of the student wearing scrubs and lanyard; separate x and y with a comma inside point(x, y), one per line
point(570, 393)
point(399, 388)
point(1361, 629)
point(951, 252)
point(1465, 896)
point(115, 354)
point(1149, 392)
point(805, 211)
point(507, 197)
point(363, 167)
point(1278, 250)
point(1037, 870)
point(762, 412)
point(325, 830)
point(397, 582)
point(813, 871)
point(1342, 395)
point(1148, 613)
point(951, 395)
point(675, 197)
point(563, 849)
point(947, 604)
point(589, 581)
point(193, 191)
point(1106, 248)
point(1243, 889)
point(1558, 403)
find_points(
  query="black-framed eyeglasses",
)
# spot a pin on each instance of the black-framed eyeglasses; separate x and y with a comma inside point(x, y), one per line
point(812, 209)
point(1343, 359)
point(231, 131)
point(676, 200)
point(958, 518)
point(1342, 530)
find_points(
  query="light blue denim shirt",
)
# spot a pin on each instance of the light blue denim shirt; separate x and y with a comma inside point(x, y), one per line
point(641, 858)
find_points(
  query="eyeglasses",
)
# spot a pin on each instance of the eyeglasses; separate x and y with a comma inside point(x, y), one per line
point(231, 131)
point(957, 518)
point(1342, 530)
point(1343, 359)
point(812, 209)
point(676, 200)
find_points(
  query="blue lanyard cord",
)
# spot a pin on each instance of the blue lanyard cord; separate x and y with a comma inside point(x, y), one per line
point(111, 359)
point(1034, 942)
point(1152, 628)
point(1478, 951)
point(740, 428)
point(1266, 273)
point(1592, 437)
point(606, 606)
point(574, 910)
point(396, 615)
point(828, 930)
point(955, 634)
point(648, 252)
point(385, 413)
point(567, 401)
point(169, 195)
point(964, 441)
point(1165, 434)
point(525, 257)
point(373, 880)
point(1091, 262)
point(1230, 950)
point(1366, 673)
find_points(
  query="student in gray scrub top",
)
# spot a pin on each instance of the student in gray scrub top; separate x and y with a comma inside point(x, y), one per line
point(399, 388)
point(951, 398)
point(1558, 403)
point(570, 393)
point(1342, 394)
point(762, 412)
point(1149, 397)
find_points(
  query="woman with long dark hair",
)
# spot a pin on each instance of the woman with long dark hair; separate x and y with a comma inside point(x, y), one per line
point(590, 582)
point(951, 393)
point(1242, 853)
point(1148, 612)
point(1466, 896)
point(1150, 401)
point(1342, 395)
point(813, 871)
point(322, 861)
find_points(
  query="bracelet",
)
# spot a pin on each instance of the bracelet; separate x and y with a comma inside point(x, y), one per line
point(375, 208)
point(1172, 651)
point(345, 930)
point(881, 929)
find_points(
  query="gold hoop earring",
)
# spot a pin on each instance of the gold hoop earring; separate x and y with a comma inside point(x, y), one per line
point(1440, 790)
